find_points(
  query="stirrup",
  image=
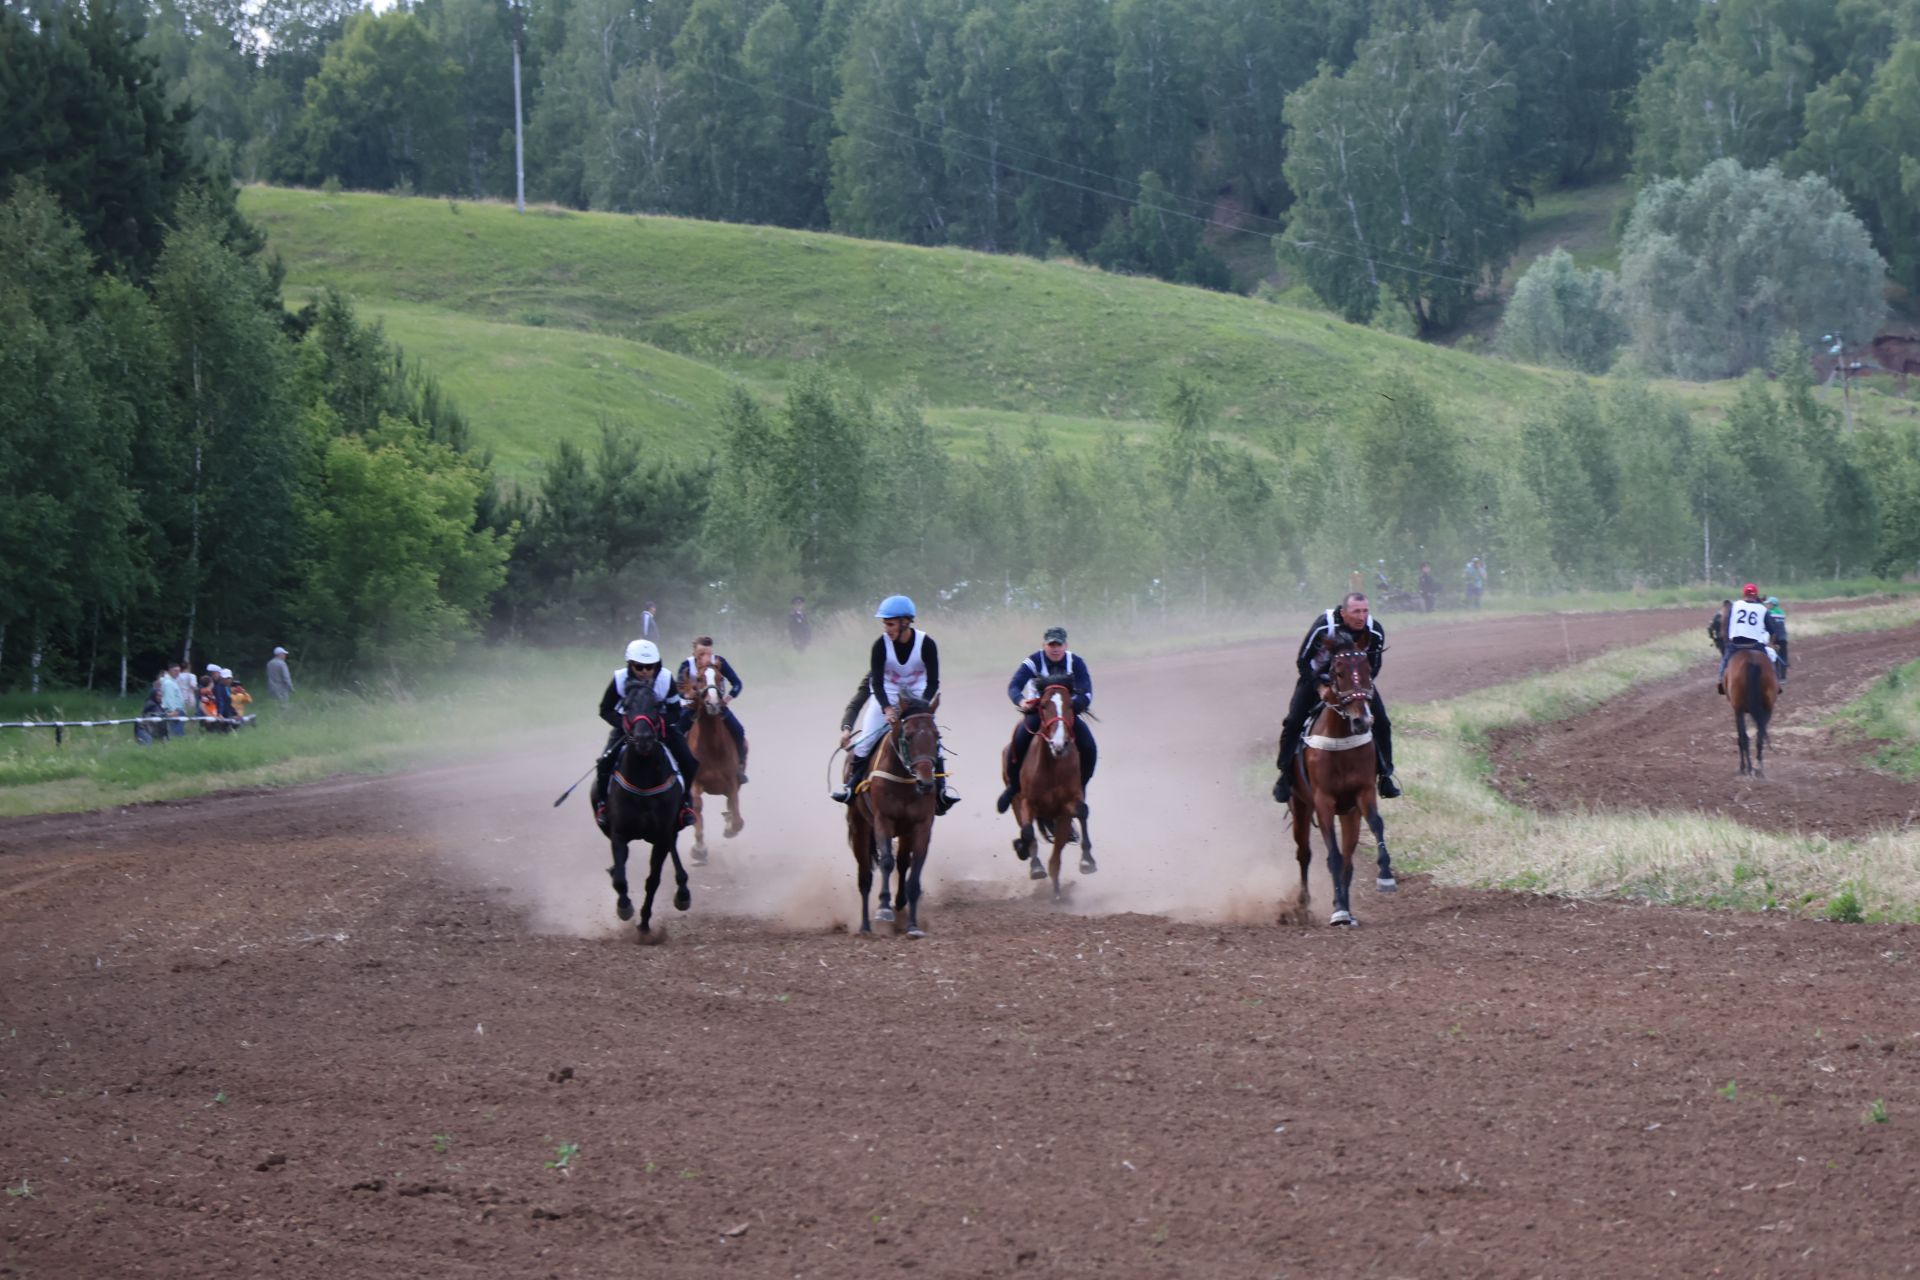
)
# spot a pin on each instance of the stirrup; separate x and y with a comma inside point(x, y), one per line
point(943, 801)
point(600, 817)
point(843, 796)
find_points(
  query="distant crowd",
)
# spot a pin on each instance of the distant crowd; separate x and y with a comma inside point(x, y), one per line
point(215, 699)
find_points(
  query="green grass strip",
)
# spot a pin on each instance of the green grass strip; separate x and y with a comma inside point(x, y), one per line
point(1453, 825)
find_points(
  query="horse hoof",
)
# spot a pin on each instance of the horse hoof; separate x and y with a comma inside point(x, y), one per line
point(1387, 884)
point(734, 829)
point(915, 931)
point(624, 907)
point(1035, 871)
point(1087, 865)
point(1342, 919)
point(683, 899)
point(1021, 851)
point(884, 915)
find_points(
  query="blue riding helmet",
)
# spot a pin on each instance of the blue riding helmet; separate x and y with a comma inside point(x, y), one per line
point(896, 607)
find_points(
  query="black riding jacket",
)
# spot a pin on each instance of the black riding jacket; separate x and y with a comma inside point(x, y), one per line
point(1373, 640)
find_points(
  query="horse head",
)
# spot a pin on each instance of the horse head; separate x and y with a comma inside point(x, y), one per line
point(1056, 718)
point(703, 686)
point(916, 741)
point(640, 719)
point(1347, 686)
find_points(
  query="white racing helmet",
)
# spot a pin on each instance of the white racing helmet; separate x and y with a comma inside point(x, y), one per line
point(644, 652)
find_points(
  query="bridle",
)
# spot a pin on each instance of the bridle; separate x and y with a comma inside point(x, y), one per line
point(1056, 717)
point(1353, 701)
point(903, 752)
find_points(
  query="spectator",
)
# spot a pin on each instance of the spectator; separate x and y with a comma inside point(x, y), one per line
point(174, 702)
point(143, 728)
point(649, 624)
point(279, 677)
point(1475, 576)
point(238, 695)
point(189, 694)
point(1429, 587)
point(222, 695)
point(799, 629)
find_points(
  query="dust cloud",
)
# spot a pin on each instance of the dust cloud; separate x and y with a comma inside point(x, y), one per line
point(1181, 821)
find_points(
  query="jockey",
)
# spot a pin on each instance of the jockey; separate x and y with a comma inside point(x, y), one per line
point(1745, 628)
point(643, 664)
point(689, 673)
point(1353, 617)
point(1053, 663)
point(1777, 628)
point(904, 661)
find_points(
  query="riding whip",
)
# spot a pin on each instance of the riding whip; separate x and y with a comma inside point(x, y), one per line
point(570, 790)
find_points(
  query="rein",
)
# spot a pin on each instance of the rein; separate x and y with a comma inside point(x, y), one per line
point(897, 741)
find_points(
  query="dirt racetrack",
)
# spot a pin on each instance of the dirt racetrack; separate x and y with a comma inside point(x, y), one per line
point(379, 1028)
point(1672, 745)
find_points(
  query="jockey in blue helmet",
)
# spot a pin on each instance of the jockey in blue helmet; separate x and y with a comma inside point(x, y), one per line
point(904, 662)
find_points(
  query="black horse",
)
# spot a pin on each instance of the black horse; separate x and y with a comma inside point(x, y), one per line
point(644, 801)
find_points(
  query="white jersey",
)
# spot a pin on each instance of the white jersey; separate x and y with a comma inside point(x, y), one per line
point(662, 684)
point(1747, 620)
point(909, 676)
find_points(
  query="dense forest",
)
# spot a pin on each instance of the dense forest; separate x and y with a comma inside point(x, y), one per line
point(189, 466)
point(1116, 132)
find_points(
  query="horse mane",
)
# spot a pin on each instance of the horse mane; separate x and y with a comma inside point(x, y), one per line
point(639, 698)
point(912, 704)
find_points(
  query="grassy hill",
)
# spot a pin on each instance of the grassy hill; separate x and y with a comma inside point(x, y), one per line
point(541, 324)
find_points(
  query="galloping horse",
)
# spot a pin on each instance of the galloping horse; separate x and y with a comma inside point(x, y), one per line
point(643, 803)
point(897, 806)
point(1334, 776)
point(1751, 688)
point(713, 746)
point(1050, 791)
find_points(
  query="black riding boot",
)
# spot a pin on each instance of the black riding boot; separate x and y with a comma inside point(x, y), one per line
point(1388, 788)
point(947, 799)
point(1022, 739)
point(602, 774)
point(1289, 747)
point(856, 770)
point(739, 732)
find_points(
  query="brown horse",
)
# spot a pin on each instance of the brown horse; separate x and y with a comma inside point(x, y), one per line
point(1751, 688)
point(1050, 790)
point(1334, 777)
point(713, 746)
point(895, 803)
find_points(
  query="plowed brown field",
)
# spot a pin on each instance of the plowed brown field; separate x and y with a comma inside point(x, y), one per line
point(388, 1028)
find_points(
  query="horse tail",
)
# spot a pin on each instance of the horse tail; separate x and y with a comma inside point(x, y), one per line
point(1757, 667)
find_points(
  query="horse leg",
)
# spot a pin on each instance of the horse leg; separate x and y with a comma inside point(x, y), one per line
point(1087, 865)
point(910, 886)
point(1036, 867)
point(1740, 725)
point(682, 895)
point(734, 821)
point(653, 886)
point(883, 854)
point(1383, 881)
point(1323, 818)
point(697, 800)
point(864, 864)
point(1302, 847)
point(623, 905)
point(1062, 829)
point(1350, 847)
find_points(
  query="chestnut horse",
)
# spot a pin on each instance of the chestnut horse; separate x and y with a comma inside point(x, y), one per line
point(895, 803)
point(1333, 777)
point(1050, 791)
point(713, 746)
point(643, 804)
point(1751, 688)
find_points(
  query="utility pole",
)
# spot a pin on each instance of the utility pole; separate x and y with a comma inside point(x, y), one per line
point(519, 153)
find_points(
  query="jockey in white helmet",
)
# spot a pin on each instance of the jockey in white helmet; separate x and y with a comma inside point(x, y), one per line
point(643, 664)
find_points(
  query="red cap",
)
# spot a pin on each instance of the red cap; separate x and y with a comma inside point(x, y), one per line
point(1749, 590)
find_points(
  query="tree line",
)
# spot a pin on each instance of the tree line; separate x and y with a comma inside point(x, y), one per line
point(1116, 132)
